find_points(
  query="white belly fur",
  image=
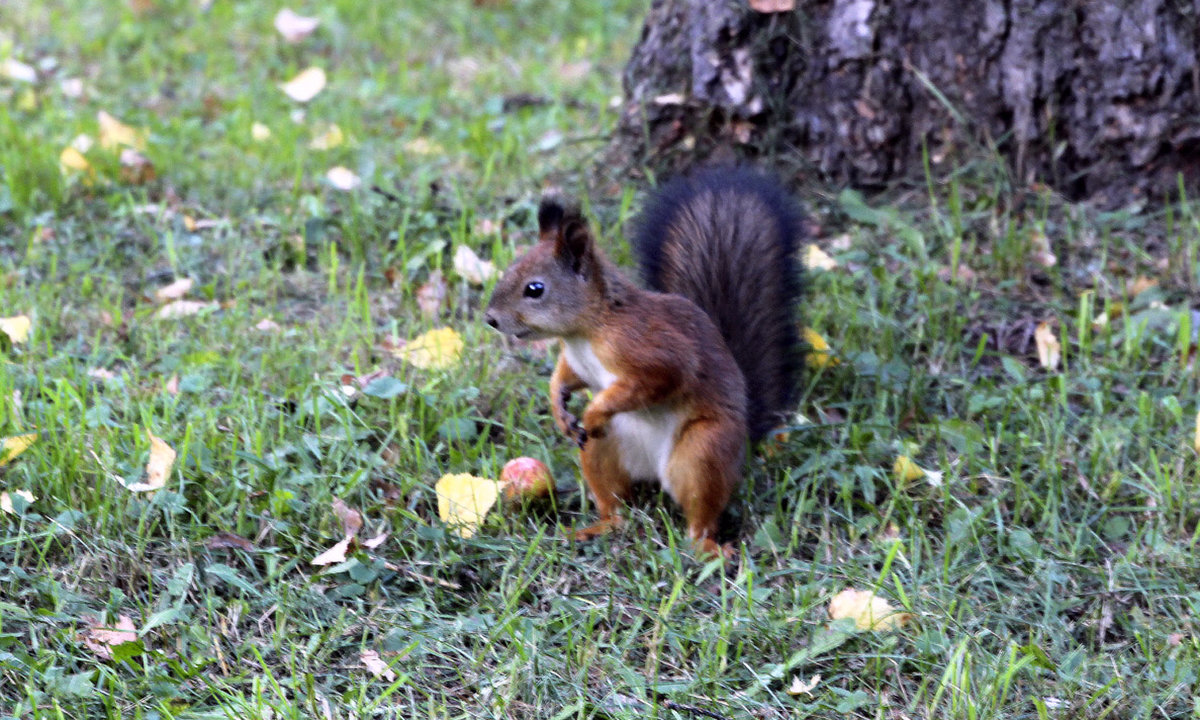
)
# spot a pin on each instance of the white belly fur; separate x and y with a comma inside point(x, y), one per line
point(645, 437)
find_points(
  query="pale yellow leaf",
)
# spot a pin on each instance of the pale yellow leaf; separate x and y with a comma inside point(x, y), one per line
point(101, 638)
point(434, 350)
point(335, 554)
point(294, 27)
point(327, 137)
point(803, 687)
point(6, 500)
point(869, 611)
point(471, 267)
point(343, 178)
point(376, 666)
point(175, 290)
point(1048, 349)
point(71, 161)
point(818, 350)
point(464, 501)
point(423, 146)
point(158, 468)
point(260, 132)
point(11, 447)
point(905, 470)
point(183, 308)
point(306, 85)
point(16, 328)
point(818, 259)
point(114, 133)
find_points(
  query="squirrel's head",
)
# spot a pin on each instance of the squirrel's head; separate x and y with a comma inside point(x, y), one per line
point(552, 290)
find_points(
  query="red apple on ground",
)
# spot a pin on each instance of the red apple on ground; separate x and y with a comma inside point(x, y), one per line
point(526, 477)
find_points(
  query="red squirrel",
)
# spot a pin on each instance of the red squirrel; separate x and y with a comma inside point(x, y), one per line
point(681, 373)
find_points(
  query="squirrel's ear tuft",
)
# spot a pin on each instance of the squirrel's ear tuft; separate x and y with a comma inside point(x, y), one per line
point(550, 214)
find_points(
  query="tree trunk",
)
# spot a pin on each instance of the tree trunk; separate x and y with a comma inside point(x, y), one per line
point(1097, 99)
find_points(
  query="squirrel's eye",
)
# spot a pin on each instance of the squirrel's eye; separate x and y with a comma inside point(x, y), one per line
point(534, 290)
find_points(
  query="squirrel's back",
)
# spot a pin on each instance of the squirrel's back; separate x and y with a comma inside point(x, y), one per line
point(726, 239)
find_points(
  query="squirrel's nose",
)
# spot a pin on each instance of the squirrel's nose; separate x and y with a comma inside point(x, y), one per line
point(491, 320)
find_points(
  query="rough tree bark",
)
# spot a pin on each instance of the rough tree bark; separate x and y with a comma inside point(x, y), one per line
point(1097, 98)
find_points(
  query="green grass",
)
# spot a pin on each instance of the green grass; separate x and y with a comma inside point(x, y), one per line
point(1052, 569)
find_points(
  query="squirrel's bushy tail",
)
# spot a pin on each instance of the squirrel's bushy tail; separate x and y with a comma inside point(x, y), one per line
point(726, 239)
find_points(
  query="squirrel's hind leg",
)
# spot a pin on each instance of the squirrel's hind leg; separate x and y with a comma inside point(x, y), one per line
point(607, 481)
point(704, 469)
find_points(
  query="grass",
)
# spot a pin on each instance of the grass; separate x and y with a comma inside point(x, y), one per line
point(1052, 567)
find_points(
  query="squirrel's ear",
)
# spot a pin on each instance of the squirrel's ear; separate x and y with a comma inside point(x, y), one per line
point(563, 224)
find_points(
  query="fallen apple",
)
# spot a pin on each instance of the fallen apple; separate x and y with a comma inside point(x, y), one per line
point(525, 477)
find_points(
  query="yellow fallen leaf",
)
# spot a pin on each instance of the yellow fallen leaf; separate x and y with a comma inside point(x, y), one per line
point(11, 447)
point(905, 470)
point(471, 267)
point(869, 611)
point(6, 500)
point(306, 85)
point(16, 328)
point(327, 137)
point(71, 161)
point(803, 687)
point(434, 350)
point(816, 258)
point(101, 638)
point(464, 501)
point(818, 350)
point(158, 468)
point(343, 178)
point(175, 290)
point(335, 554)
point(114, 133)
point(1048, 349)
point(260, 132)
point(376, 665)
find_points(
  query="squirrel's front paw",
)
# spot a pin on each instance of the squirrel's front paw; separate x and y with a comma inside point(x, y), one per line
point(595, 425)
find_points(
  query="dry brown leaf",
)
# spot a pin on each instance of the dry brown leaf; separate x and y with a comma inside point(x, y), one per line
point(136, 168)
point(376, 666)
point(431, 295)
point(335, 554)
point(1139, 285)
point(350, 518)
point(305, 85)
point(803, 687)
point(101, 638)
point(225, 539)
point(294, 27)
point(175, 290)
point(1048, 348)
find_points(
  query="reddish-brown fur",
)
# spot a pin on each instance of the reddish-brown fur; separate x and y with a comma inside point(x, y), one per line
point(671, 402)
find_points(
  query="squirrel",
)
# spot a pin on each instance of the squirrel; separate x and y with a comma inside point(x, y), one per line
point(682, 372)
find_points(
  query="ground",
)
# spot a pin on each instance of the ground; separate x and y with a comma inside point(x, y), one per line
point(1044, 539)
